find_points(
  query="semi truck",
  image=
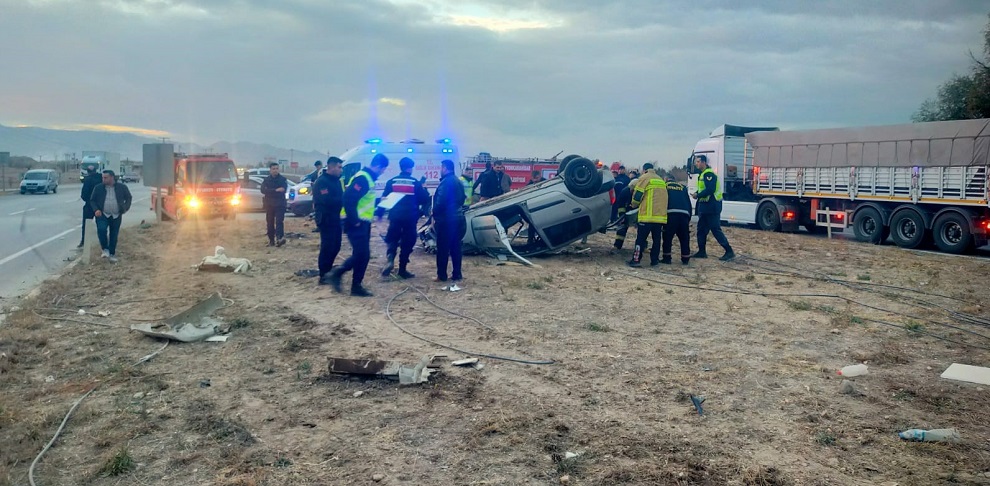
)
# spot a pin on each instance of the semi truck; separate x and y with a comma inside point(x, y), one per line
point(101, 161)
point(915, 183)
point(204, 185)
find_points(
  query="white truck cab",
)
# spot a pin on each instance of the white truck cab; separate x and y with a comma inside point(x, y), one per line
point(426, 155)
point(725, 149)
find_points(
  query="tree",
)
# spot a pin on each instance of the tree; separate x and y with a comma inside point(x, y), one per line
point(962, 96)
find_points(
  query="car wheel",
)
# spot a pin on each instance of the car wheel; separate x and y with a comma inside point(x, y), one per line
point(582, 177)
point(55, 190)
point(302, 209)
point(768, 217)
point(563, 163)
point(23, 191)
point(952, 233)
point(907, 229)
point(868, 226)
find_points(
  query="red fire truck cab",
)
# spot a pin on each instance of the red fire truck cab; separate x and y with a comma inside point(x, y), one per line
point(205, 185)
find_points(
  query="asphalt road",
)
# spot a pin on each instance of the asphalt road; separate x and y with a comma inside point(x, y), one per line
point(38, 232)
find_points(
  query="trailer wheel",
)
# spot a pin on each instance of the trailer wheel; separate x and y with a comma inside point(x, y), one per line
point(768, 217)
point(868, 226)
point(907, 229)
point(582, 178)
point(952, 233)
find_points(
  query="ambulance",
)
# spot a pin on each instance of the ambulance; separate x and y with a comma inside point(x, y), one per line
point(426, 155)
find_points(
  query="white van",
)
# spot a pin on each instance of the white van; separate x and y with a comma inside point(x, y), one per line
point(426, 155)
point(40, 180)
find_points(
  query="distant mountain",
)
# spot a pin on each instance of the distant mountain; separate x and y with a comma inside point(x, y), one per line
point(49, 144)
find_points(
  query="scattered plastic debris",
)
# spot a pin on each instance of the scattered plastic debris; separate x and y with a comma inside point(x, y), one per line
point(220, 262)
point(192, 325)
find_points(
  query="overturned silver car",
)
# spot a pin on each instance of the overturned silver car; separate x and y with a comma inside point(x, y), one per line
point(541, 218)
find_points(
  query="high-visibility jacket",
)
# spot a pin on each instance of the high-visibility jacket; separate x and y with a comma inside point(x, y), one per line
point(650, 196)
point(365, 205)
point(708, 181)
point(468, 189)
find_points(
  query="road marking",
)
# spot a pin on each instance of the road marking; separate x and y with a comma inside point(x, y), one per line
point(21, 212)
point(36, 245)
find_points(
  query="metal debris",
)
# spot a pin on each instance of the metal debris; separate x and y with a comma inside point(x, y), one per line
point(393, 370)
point(192, 325)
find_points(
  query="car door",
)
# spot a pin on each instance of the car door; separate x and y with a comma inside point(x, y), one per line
point(251, 194)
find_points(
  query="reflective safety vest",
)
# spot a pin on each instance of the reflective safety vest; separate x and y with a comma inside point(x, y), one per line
point(701, 185)
point(650, 195)
point(468, 189)
point(365, 205)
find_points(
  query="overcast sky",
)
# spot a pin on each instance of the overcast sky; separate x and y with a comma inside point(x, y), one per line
point(629, 80)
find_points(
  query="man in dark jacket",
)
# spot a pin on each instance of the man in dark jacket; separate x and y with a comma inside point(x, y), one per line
point(621, 182)
point(359, 211)
point(273, 188)
point(110, 200)
point(90, 182)
point(493, 182)
point(328, 200)
point(317, 169)
point(448, 221)
point(403, 216)
point(678, 221)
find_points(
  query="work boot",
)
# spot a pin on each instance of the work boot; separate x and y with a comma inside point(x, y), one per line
point(403, 273)
point(333, 276)
point(685, 260)
point(654, 263)
point(360, 292)
point(271, 242)
point(280, 242)
point(665, 261)
point(80, 245)
point(635, 263)
point(700, 254)
point(729, 255)
point(389, 264)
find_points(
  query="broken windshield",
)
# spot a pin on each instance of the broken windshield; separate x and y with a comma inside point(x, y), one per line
point(211, 172)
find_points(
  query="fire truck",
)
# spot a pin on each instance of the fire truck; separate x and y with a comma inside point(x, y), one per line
point(205, 185)
point(519, 169)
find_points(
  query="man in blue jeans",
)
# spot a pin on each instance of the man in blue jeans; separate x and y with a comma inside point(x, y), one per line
point(109, 201)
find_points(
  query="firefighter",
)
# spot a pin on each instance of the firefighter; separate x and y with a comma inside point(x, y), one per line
point(328, 201)
point(678, 222)
point(650, 196)
point(709, 198)
point(359, 211)
point(403, 216)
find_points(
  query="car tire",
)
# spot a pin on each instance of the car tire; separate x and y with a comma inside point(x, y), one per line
point(563, 164)
point(23, 191)
point(952, 233)
point(55, 190)
point(582, 177)
point(907, 229)
point(302, 209)
point(868, 226)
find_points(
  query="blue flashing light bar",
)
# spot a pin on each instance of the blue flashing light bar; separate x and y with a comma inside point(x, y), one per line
point(373, 140)
point(443, 140)
point(409, 150)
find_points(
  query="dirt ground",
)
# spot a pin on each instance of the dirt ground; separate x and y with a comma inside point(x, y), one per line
point(760, 339)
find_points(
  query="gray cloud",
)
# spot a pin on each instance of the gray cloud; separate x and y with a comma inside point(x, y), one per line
point(631, 80)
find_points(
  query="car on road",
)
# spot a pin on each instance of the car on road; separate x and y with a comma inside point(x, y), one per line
point(543, 217)
point(40, 180)
point(301, 198)
point(251, 197)
point(130, 177)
